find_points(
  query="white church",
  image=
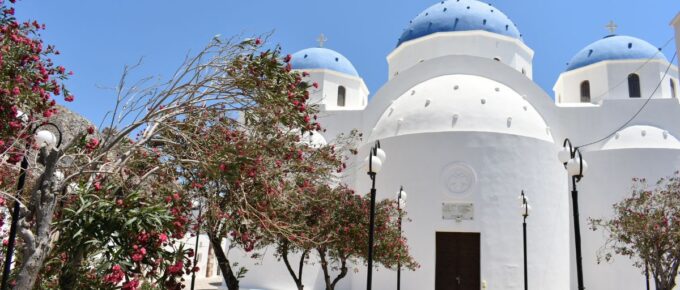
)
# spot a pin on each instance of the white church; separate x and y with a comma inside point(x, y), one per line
point(465, 130)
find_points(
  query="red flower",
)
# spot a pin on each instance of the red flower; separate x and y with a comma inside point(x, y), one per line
point(258, 41)
point(69, 98)
point(287, 58)
point(315, 85)
point(90, 130)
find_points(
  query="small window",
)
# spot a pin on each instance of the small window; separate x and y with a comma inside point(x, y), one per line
point(585, 92)
point(496, 59)
point(341, 96)
point(524, 72)
point(674, 93)
point(634, 86)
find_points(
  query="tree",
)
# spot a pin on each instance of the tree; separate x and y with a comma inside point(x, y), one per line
point(75, 188)
point(646, 228)
point(345, 222)
point(245, 161)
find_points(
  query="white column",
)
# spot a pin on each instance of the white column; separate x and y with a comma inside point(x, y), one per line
point(676, 24)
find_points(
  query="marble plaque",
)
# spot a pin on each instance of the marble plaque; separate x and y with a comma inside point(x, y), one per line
point(458, 211)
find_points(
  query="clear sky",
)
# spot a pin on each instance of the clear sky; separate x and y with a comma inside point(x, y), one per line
point(97, 38)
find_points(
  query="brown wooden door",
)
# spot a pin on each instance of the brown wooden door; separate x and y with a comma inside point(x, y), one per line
point(457, 263)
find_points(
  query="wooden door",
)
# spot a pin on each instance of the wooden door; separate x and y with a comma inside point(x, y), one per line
point(458, 261)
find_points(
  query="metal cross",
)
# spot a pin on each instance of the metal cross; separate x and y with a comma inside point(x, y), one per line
point(611, 26)
point(322, 38)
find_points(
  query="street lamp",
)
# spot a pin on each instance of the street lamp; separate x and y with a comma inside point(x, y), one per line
point(198, 205)
point(43, 138)
point(401, 204)
point(573, 161)
point(526, 208)
point(374, 162)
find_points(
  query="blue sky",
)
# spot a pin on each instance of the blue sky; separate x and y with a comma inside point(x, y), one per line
point(98, 38)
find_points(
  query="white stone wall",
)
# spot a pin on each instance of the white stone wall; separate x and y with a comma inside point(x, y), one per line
point(507, 50)
point(609, 80)
point(326, 95)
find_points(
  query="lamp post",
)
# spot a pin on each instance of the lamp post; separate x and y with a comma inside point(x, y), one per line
point(401, 203)
point(42, 138)
point(198, 234)
point(525, 213)
point(573, 161)
point(374, 162)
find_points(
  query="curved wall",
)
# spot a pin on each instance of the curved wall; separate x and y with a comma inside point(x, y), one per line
point(502, 165)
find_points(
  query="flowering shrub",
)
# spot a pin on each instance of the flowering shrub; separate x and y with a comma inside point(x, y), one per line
point(28, 80)
point(646, 228)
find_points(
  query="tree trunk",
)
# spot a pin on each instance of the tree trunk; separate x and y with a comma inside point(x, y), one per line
point(330, 285)
point(296, 277)
point(225, 267)
point(37, 245)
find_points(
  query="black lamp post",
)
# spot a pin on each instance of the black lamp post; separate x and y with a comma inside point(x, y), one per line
point(401, 204)
point(43, 138)
point(525, 213)
point(375, 160)
point(198, 232)
point(575, 166)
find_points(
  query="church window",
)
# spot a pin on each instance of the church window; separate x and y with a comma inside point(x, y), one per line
point(674, 93)
point(585, 92)
point(341, 96)
point(634, 86)
point(496, 59)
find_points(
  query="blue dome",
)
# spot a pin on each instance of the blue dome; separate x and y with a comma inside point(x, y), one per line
point(614, 47)
point(459, 15)
point(322, 58)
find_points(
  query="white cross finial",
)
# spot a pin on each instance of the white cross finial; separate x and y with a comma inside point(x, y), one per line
point(322, 38)
point(611, 26)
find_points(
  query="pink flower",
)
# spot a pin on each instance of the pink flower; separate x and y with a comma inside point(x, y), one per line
point(90, 130)
point(315, 85)
point(132, 285)
point(287, 58)
point(69, 98)
point(258, 41)
point(163, 238)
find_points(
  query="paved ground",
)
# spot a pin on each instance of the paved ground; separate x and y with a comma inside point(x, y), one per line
point(212, 283)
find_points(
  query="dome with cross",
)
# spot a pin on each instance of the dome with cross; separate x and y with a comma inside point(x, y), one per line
point(322, 58)
point(615, 47)
point(459, 15)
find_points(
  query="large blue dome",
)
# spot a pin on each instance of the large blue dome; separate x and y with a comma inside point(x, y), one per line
point(322, 58)
point(614, 47)
point(459, 15)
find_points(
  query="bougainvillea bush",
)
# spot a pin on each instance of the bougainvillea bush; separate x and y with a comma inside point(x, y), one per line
point(646, 228)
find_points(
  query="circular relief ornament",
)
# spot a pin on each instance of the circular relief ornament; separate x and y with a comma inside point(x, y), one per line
point(458, 178)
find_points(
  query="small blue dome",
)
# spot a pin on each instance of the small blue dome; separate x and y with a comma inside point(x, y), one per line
point(614, 47)
point(459, 15)
point(322, 58)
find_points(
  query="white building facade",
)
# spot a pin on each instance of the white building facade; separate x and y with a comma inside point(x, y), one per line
point(466, 130)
